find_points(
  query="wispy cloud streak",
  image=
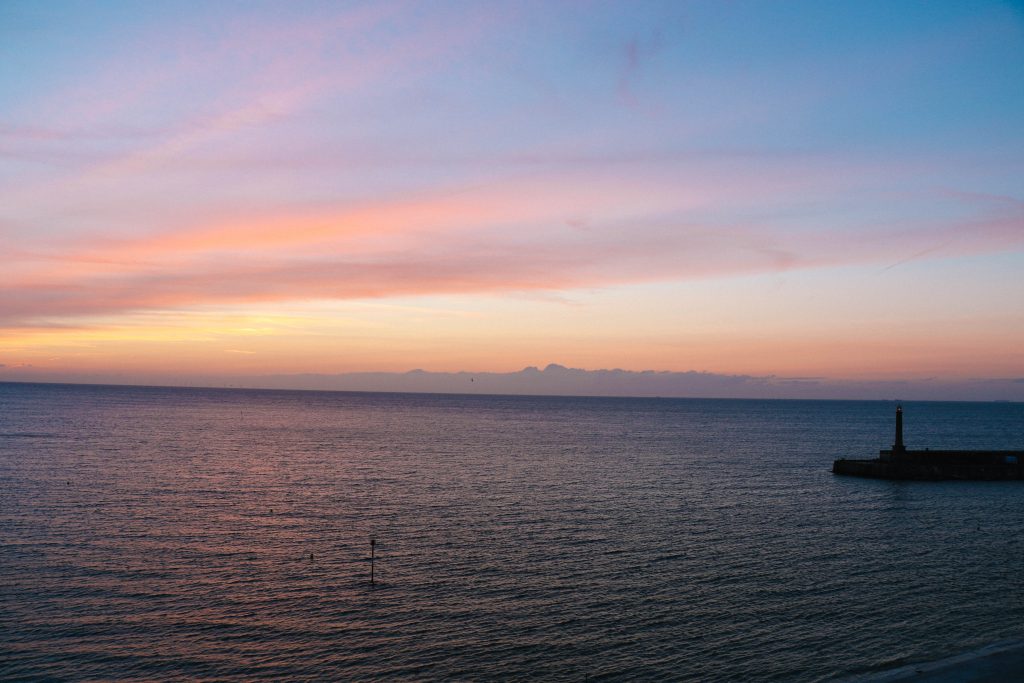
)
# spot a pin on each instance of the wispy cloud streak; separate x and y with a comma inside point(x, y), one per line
point(466, 244)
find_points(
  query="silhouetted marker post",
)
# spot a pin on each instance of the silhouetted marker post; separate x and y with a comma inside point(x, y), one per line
point(373, 543)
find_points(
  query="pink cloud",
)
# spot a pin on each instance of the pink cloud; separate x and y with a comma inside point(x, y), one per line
point(452, 245)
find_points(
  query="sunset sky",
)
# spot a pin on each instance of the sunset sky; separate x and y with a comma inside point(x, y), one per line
point(795, 189)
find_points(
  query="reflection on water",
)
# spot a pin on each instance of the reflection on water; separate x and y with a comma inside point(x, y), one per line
point(173, 533)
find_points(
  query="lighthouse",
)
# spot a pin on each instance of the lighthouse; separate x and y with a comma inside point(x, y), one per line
point(898, 447)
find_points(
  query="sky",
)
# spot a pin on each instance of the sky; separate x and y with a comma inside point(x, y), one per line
point(813, 190)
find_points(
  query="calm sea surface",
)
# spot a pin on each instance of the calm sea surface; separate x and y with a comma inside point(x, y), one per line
point(155, 533)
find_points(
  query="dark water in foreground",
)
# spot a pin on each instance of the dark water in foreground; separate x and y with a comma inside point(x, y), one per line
point(166, 533)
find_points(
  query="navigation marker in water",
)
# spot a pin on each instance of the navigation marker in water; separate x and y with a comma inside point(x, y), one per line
point(373, 543)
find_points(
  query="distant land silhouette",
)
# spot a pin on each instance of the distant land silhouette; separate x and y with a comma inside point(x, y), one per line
point(560, 380)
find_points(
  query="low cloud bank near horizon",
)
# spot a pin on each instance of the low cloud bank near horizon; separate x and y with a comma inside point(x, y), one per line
point(558, 380)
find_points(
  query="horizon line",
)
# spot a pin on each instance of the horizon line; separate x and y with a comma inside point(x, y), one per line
point(207, 387)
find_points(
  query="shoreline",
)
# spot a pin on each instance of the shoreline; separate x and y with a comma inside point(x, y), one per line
point(999, 661)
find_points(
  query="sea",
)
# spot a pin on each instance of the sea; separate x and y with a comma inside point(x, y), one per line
point(225, 534)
